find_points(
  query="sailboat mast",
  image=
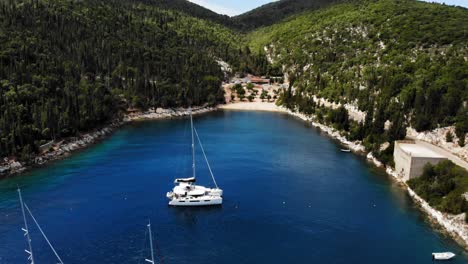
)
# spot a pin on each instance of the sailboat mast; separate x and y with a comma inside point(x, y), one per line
point(193, 144)
point(26, 229)
point(151, 243)
point(206, 159)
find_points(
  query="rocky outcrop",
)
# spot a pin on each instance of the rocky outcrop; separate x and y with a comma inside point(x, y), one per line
point(58, 149)
point(161, 113)
point(438, 137)
point(353, 111)
point(354, 146)
point(10, 166)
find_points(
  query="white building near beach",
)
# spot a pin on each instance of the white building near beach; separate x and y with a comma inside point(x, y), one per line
point(410, 158)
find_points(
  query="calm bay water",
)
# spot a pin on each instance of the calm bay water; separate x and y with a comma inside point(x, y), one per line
point(290, 196)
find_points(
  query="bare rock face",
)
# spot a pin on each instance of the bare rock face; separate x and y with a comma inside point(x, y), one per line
point(353, 111)
point(10, 166)
point(384, 146)
point(4, 169)
point(438, 137)
point(15, 165)
point(387, 125)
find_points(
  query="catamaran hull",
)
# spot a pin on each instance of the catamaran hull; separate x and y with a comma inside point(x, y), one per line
point(196, 202)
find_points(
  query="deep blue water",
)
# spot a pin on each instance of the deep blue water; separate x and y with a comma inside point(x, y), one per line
point(290, 196)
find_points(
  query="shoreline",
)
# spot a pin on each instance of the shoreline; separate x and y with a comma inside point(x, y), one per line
point(453, 225)
point(65, 147)
point(253, 106)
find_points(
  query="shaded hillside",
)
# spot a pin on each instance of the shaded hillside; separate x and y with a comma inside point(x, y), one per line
point(191, 9)
point(402, 61)
point(276, 11)
point(262, 16)
point(67, 66)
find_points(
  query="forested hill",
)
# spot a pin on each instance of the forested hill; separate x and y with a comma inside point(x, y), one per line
point(67, 66)
point(265, 15)
point(398, 60)
point(191, 9)
point(276, 11)
point(262, 16)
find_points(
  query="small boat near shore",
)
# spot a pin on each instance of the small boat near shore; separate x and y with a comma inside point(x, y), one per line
point(345, 150)
point(443, 256)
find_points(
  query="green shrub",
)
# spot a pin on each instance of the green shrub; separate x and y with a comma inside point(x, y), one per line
point(461, 141)
point(442, 186)
point(448, 136)
point(453, 203)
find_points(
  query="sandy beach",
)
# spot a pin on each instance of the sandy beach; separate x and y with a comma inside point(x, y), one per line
point(253, 106)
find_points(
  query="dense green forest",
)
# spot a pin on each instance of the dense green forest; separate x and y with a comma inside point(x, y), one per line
point(397, 60)
point(276, 11)
point(442, 186)
point(265, 15)
point(191, 9)
point(67, 66)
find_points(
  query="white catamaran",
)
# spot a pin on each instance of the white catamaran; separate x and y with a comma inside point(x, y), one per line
point(186, 193)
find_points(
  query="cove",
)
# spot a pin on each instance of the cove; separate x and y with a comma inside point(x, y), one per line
point(290, 196)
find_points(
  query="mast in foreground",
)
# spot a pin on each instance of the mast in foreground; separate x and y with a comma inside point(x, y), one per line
point(26, 229)
point(151, 244)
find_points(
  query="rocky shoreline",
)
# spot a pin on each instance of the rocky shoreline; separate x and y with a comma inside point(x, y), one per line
point(58, 150)
point(65, 147)
point(454, 225)
point(163, 113)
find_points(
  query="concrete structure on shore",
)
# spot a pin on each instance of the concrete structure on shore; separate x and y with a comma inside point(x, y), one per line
point(410, 158)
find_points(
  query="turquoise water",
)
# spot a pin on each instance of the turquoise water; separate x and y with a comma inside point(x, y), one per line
point(290, 196)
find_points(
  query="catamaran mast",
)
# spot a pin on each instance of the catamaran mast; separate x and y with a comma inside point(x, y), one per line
point(193, 144)
point(206, 159)
point(26, 229)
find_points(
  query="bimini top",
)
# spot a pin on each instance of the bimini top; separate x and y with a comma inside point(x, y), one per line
point(191, 179)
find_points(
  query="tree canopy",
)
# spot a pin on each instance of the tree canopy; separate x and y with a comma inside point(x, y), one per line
point(400, 61)
point(67, 66)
